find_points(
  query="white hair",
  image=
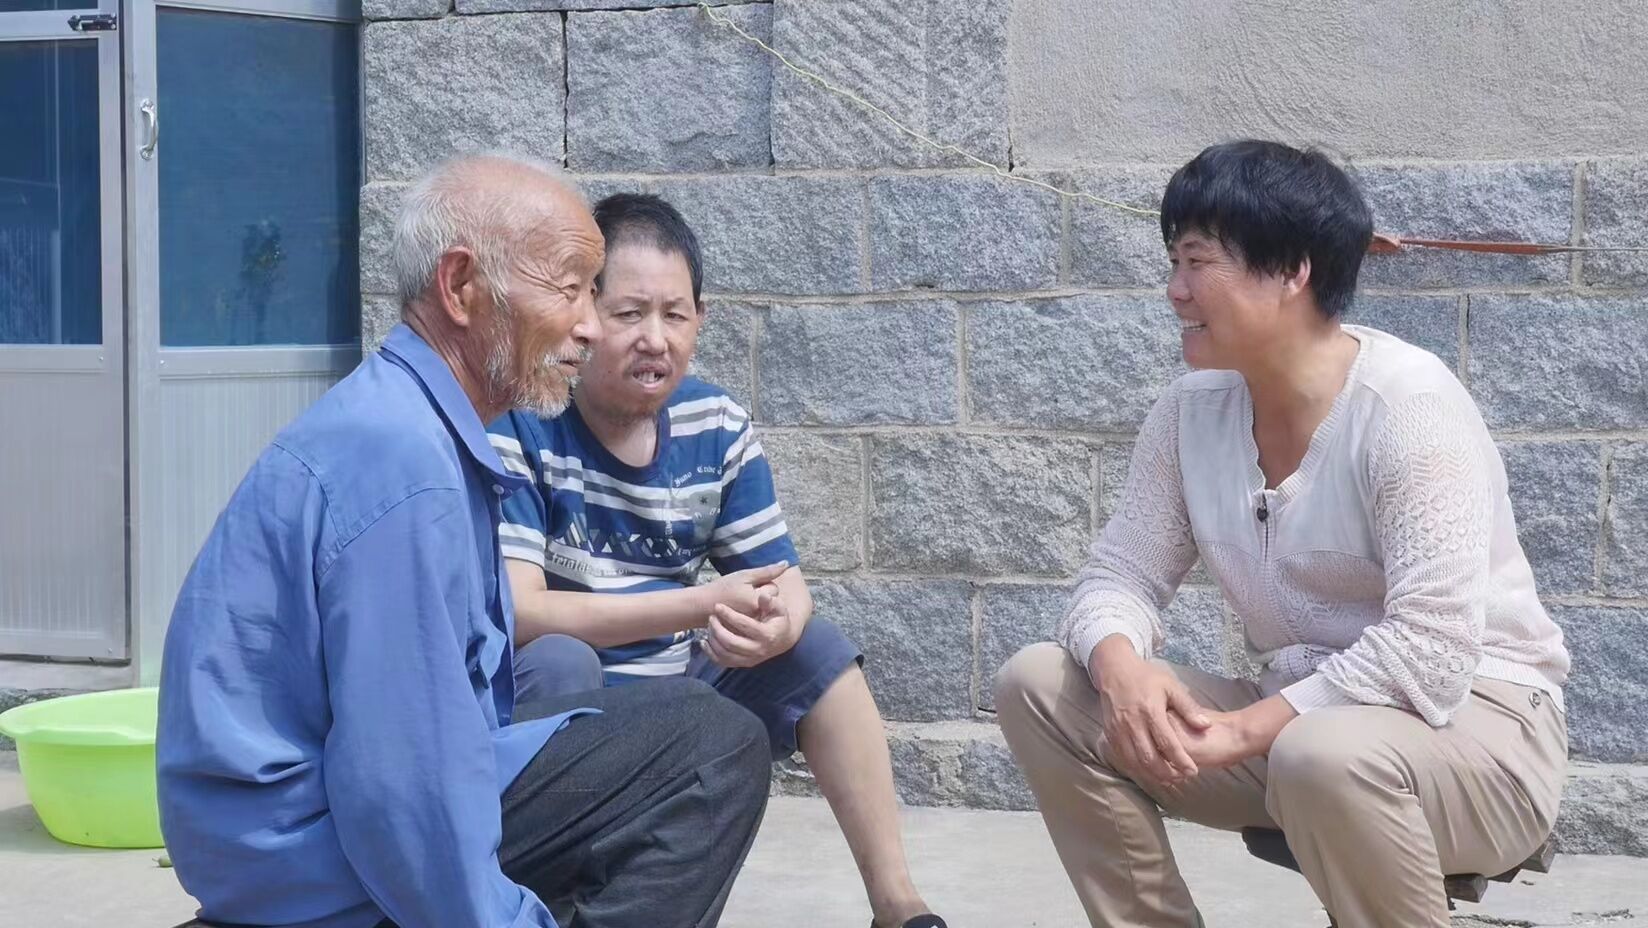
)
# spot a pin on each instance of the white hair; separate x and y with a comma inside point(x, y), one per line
point(446, 209)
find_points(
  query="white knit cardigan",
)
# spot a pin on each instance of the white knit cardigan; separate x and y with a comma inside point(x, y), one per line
point(1385, 571)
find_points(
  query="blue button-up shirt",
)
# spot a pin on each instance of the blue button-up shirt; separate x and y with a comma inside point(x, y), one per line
point(336, 691)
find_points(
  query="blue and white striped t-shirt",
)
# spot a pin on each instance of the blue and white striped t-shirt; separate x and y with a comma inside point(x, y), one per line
point(596, 524)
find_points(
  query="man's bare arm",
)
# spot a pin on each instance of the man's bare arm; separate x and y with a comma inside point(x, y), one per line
point(606, 620)
point(792, 588)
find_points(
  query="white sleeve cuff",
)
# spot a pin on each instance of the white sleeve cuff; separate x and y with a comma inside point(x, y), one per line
point(516, 551)
point(1316, 692)
point(1087, 636)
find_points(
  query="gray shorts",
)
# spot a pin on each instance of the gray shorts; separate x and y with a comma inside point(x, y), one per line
point(780, 692)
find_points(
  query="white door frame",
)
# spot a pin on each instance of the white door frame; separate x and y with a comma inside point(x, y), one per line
point(157, 372)
point(79, 611)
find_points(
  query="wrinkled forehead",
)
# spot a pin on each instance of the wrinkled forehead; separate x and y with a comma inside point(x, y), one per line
point(562, 240)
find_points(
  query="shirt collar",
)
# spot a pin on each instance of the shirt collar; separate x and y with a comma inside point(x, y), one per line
point(410, 351)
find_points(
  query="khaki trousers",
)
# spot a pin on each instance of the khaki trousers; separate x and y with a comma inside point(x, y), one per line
point(1376, 804)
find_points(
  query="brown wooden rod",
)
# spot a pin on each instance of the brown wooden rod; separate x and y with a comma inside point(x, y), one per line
point(1384, 244)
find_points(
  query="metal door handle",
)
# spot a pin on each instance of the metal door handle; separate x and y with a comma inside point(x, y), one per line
point(151, 129)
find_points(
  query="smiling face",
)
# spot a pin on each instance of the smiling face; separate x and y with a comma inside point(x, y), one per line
point(1227, 312)
point(649, 323)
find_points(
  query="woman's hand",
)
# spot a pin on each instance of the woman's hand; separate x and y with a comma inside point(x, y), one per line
point(1225, 742)
point(1233, 737)
point(1147, 713)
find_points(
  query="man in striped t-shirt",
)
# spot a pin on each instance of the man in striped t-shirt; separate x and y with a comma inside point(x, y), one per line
point(649, 475)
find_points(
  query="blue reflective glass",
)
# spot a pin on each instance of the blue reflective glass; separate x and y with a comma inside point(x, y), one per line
point(259, 180)
point(50, 225)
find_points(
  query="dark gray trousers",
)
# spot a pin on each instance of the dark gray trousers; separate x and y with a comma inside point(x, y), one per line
point(639, 817)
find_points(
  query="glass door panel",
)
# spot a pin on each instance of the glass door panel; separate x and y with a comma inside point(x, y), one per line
point(49, 195)
point(260, 185)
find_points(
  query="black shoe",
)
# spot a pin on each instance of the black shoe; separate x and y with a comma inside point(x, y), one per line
point(920, 921)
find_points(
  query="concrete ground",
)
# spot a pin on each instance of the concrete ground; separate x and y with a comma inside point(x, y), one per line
point(978, 869)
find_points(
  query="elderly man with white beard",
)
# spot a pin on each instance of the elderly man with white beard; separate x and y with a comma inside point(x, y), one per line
point(339, 741)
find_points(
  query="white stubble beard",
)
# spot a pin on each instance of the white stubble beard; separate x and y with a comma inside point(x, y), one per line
point(546, 390)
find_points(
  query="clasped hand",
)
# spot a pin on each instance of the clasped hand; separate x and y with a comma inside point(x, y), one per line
point(1154, 729)
point(749, 623)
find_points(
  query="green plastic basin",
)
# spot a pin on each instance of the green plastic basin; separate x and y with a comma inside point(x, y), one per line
point(88, 764)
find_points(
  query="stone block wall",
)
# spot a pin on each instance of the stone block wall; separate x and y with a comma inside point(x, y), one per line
point(949, 367)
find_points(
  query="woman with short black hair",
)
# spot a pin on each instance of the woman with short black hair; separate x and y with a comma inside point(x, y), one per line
point(1343, 492)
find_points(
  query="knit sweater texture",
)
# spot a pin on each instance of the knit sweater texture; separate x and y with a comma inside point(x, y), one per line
point(1385, 571)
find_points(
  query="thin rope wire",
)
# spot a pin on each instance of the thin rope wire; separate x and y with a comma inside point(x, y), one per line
point(892, 120)
point(999, 171)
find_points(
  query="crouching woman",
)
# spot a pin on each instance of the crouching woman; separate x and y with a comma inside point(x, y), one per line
point(1343, 492)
